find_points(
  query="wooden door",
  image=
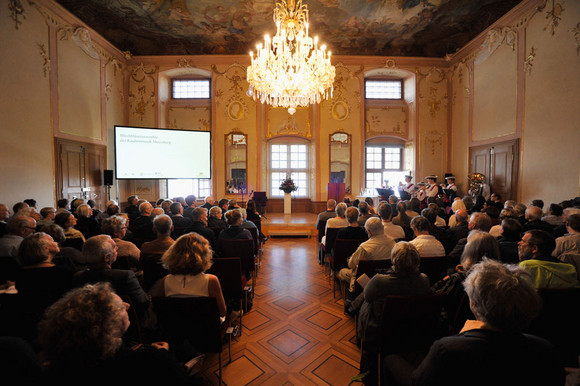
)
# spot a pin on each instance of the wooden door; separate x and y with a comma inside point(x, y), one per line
point(498, 162)
point(80, 171)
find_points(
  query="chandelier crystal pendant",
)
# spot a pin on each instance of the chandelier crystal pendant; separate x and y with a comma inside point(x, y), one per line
point(290, 70)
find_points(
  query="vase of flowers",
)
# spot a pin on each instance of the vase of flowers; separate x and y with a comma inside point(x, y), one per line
point(288, 186)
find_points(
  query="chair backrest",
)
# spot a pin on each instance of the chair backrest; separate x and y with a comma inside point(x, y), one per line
point(434, 267)
point(572, 258)
point(343, 249)
point(254, 232)
point(321, 228)
point(258, 224)
point(193, 320)
point(9, 268)
point(153, 270)
point(216, 231)
point(229, 272)
point(331, 234)
point(558, 322)
point(122, 262)
point(409, 234)
point(242, 248)
point(369, 267)
point(410, 323)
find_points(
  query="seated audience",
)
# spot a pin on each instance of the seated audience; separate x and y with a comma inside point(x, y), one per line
point(234, 230)
point(215, 218)
point(66, 256)
point(511, 234)
point(414, 207)
point(377, 247)
point(562, 230)
point(111, 209)
point(571, 241)
point(402, 218)
point(100, 252)
point(460, 227)
point(162, 225)
point(477, 221)
point(403, 279)
point(385, 214)
point(17, 228)
point(426, 244)
point(82, 339)
point(47, 215)
point(535, 251)
point(62, 205)
point(67, 221)
point(457, 205)
point(180, 223)
point(534, 220)
point(339, 221)
point(468, 201)
point(132, 209)
point(554, 215)
point(440, 233)
point(199, 225)
point(495, 230)
point(492, 349)
point(142, 225)
point(328, 213)
point(116, 227)
point(353, 231)
point(371, 204)
point(364, 213)
point(86, 223)
point(208, 202)
point(30, 212)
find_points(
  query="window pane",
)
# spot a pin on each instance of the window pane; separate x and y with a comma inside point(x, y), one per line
point(191, 89)
point(374, 180)
point(276, 180)
point(383, 89)
point(183, 187)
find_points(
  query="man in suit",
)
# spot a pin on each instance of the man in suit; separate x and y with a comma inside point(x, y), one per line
point(132, 210)
point(199, 225)
point(534, 216)
point(142, 226)
point(180, 223)
point(190, 201)
point(100, 252)
point(209, 202)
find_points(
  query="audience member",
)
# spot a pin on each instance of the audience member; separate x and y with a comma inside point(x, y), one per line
point(538, 203)
point(328, 213)
point(426, 244)
point(47, 215)
point(511, 234)
point(478, 221)
point(86, 222)
point(394, 231)
point(66, 256)
point(199, 225)
point(29, 211)
point(208, 202)
point(62, 205)
point(371, 204)
point(154, 249)
point(468, 201)
point(67, 222)
point(17, 228)
point(460, 227)
point(492, 349)
point(403, 279)
point(496, 201)
point(561, 230)
point(100, 252)
point(554, 215)
point(402, 218)
point(534, 216)
point(353, 231)
point(456, 206)
point(495, 230)
point(414, 207)
point(4, 215)
point(339, 221)
point(571, 241)
point(142, 226)
point(364, 213)
point(112, 208)
point(535, 251)
point(132, 209)
point(377, 247)
point(116, 227)
point(82, 339)
point(180, 223)
point(234, 230)
point(215, 218)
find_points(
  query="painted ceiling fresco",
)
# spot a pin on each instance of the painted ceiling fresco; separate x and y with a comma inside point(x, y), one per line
point(423, 28)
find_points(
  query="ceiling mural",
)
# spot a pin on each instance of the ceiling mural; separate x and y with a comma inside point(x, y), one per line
point(423, 28)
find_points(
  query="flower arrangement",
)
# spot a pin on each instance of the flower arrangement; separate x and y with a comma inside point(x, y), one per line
point(288, 185)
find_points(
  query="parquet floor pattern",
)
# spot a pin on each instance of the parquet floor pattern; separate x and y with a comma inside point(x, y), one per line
point(296, 332)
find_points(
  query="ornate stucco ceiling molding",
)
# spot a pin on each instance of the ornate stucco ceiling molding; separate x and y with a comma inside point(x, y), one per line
point(494, 39)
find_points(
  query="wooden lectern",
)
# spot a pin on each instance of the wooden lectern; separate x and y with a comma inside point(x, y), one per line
point(336, 191)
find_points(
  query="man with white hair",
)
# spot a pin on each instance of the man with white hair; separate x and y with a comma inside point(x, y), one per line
point(561, 230)
point(571, 241)
point(534, 220)
point(209, 202)
point(142, 226)
point(17, 228)
point(377, 247)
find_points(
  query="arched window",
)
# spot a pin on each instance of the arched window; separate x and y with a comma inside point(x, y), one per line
point(289, 158)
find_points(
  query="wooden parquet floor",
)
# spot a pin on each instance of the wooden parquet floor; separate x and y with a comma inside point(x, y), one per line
point(296, 332)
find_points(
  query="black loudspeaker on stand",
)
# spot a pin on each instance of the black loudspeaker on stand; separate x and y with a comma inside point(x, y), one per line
point(108, 180)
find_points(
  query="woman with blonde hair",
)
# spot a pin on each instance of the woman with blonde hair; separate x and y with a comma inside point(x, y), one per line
point(457, 205)
point(187, 261)
point(86, 223)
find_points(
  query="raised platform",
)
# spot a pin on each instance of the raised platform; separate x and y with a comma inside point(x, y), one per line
point(289, 225)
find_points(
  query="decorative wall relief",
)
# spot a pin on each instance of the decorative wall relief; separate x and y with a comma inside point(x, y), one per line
point(280, 123)
point(495, 38)
point(44, 55)
point(433, 141)
point(554, 16)
point(576, 33)
point(188, 118)
point(529, 62)
point(144, 96)
point(235, 107)
point(339, 108)
point(82, 38)
point(16, 12)
point(387, 120)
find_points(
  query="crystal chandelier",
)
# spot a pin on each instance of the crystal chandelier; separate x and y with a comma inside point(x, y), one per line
point(290, 70)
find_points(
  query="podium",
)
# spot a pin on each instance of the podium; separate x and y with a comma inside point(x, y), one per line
point(336, 191)
point(385, 193)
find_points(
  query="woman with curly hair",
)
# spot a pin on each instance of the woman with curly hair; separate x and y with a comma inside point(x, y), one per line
point(82, 342)
point(187, 260)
